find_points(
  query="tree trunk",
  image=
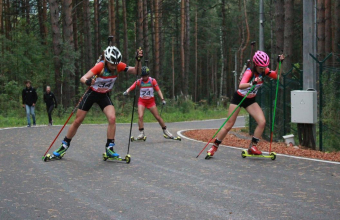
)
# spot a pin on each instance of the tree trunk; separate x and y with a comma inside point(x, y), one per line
point(145, 30)
point(112, 20)
point(279, 24)
point(288, 35)
point(117, 25)
point(140, 24)
point(96, 27)
point(87, 33)
point(27, 12)
point(157, 40)
point(196, 54)
point(328, 27)
point(187, 47)
point(152, 23)
point(247, 29)
point(321, 28)
point(336, 40)
point(125, 51)
point(68, 52)
point(183, 44)
point(41, 20)
point(173, 67)
point(56, 37)
point(1, 21)
point(76, 48)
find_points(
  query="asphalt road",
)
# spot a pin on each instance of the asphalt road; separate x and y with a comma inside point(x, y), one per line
point(163, 181)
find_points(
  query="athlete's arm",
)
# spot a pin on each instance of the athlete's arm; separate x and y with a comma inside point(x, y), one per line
point(94, 71)
point(132, 87)
point(133, 70)
point(160, 94)
point(245, 82)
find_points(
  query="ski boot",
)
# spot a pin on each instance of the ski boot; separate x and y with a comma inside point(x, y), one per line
point(254, 152)
point(168, 135)
point(110, 152)
point(57, 154)
point(213, 149)
point(112, 155)
point(140, 137)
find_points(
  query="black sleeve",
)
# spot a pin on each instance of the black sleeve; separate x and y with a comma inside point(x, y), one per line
point(23, 96)
point(55, 100)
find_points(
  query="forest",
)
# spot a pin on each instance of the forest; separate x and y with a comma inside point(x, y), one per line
point(195, 49)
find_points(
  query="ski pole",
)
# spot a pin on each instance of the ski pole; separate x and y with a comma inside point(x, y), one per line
point(277, 89)
point(134, 100)
point(226, 120)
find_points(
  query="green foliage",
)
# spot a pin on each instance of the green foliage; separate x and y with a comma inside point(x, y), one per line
point(330, 111)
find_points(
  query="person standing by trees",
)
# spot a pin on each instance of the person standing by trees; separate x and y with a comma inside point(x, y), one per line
point(51, 103)
point(250, 77)
point(29, 99)
point(146, 99)
point(106, 73)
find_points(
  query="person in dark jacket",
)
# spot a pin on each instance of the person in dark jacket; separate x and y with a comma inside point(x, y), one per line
point(51, 103)
point(29, 99)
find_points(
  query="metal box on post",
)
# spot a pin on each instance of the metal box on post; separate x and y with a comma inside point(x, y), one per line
point(303, 106)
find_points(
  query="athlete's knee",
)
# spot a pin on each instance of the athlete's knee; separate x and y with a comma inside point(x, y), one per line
point(77, 122)
point(229, 125)
point(262, 123)
point(112, 119)
point(140, 117)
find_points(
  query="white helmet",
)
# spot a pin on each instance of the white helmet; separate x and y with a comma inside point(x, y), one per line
point(112, 55)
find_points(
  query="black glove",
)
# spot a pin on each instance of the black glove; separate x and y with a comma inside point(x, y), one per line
point(55, 106)
point(278, 59)
point(138, 58)
point(88, 82)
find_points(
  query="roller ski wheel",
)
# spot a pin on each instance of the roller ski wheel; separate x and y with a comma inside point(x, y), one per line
point(178, 138)
point(50, 157)
point(127, 158)
point(208, 156)
point(245, 154)
point(136, 139)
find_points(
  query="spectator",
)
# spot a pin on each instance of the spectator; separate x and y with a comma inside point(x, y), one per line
point(51, 103)
point(29, 99)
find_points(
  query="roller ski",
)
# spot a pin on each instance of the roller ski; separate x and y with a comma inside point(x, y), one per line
point(168, 135)
point(254, 152)
point(141, 137)
point(110, 154)
point(212, 150)
point(58, 154)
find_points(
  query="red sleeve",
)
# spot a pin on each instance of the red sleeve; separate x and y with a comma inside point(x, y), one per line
point(155, 85)
point(247, 76)
point(133, 86)
point(121, 66)
point(97, 68)
point(271, 73)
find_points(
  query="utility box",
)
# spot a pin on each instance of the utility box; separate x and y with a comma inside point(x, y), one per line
point(303, 106)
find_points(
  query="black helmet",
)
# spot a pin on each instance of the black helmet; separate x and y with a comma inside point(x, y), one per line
point(145, 71)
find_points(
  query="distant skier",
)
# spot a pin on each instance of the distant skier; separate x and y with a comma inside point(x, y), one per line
point(146, 99)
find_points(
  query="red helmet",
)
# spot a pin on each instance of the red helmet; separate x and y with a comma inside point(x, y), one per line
point(260, 58)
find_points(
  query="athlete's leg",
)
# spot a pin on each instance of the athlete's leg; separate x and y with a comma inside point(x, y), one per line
point(33, 114)
point(141, 109)
point(155, 113)
point(28, 115)
point(76, 123)
point(256, 112)
point(230, 123)
point(110, 113)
